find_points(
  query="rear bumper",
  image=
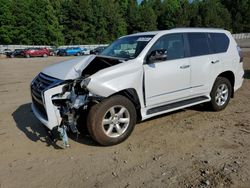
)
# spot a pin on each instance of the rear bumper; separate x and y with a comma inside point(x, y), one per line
point(239, 79)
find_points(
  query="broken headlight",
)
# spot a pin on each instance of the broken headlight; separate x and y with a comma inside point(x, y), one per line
point(85, 82)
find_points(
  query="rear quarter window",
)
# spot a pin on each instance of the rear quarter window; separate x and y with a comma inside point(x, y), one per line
point(219, 42)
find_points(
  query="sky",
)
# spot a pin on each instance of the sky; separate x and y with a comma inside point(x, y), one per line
point(139, 1)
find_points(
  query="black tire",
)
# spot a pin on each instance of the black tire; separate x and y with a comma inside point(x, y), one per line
point(78, 54)
point(99, 111)
point(214, 103)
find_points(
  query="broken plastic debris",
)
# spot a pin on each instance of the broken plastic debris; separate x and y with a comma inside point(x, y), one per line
point(63, 135)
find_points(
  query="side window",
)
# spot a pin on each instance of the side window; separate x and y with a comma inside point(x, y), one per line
point(198, 43)
point(173, 44)
point(219, 42)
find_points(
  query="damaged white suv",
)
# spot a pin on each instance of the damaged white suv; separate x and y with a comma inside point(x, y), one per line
point(137, 77)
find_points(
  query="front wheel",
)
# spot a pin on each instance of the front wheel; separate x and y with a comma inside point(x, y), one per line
point(220, 94)
point(112, 120)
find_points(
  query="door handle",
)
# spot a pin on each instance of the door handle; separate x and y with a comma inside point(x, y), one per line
point(184, 66)
point(214, 62)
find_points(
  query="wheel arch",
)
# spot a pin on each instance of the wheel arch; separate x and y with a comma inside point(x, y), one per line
point(230, 76)
point(131, 94)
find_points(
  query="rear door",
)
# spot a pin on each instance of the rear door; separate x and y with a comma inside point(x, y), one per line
point(205, 65)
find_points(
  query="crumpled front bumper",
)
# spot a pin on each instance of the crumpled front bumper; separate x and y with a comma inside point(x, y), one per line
point(53, 118)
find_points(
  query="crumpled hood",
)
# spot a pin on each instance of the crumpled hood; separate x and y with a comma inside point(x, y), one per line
point(69, 70)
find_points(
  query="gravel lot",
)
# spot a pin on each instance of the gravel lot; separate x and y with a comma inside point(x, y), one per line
point(189, 148)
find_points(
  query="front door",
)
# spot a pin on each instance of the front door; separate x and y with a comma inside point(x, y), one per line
point(168, 80)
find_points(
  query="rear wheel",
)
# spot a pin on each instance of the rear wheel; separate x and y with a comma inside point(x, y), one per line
point(220, 94)
point(112, 120)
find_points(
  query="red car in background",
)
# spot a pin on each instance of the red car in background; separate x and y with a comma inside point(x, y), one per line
point(36, 52)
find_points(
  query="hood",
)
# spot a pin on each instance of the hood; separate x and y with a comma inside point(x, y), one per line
point(69, 70)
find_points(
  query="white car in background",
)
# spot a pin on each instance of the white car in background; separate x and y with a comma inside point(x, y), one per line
point(166, 71)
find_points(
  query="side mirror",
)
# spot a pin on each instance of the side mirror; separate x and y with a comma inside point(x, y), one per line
point(157, 55)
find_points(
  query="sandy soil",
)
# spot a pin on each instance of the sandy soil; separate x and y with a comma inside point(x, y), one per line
point(189, 148)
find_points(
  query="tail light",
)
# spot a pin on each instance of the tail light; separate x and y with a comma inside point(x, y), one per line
point(240, 53)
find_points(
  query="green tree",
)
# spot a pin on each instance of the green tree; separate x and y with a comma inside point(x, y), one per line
point(217, 16)
point(6, 22)
point(240, 13)
point(167, 17)
point(148, 19)
point(45, 28)
point(22, 18)
point(133, 17)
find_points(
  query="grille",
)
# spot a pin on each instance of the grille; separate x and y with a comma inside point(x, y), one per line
point(40, 84)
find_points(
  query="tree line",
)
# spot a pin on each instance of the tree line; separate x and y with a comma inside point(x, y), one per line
point(57, 22)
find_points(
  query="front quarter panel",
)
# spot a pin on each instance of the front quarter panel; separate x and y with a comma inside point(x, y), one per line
point(117, 78)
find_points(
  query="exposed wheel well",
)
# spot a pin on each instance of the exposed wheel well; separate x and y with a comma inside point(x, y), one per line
point(230, 76)
point(132, 95)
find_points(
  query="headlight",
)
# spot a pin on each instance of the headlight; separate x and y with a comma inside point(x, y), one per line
point(85, 82)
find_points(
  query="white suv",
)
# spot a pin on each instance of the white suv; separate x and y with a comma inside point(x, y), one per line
point(137, 77)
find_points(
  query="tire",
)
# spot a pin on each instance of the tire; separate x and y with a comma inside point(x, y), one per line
point(220, 94)
point(12, 56)
point(106, 125)
point(27, 56)
point(45, 55)
point(78, 54)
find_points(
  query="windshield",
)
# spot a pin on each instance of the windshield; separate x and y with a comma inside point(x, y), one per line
point(127, 47)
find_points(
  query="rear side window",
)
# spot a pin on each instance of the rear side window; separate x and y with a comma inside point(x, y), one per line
point(219, 42)
point(198, 43)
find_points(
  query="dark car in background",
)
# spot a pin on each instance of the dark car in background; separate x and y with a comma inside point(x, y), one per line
point(53, 50)
point(15, 53)
point(77, 51)
point(97, 50)
point(36, 52)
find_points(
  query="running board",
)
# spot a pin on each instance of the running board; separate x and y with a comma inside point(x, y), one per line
point(176, 105)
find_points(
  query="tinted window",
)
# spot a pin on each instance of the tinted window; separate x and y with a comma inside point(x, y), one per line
point(198, 43)
point(174, 45)
point(219, 42)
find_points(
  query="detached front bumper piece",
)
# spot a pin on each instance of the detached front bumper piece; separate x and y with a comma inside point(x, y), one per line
point(43, 88)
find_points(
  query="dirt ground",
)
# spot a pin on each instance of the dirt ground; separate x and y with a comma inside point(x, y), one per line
point(189, 148)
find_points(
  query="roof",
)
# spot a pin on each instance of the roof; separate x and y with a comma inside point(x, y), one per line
point(184, 29)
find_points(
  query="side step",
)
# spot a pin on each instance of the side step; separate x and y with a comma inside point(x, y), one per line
point(176, 105)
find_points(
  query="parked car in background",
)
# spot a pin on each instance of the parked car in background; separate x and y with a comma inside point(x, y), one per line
point(97, 50)
point(85, 51)
point(15, 53)
point(4, 51)
point(36, 52)
point(7, 50)
point(53, 51)
point(77, 51)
